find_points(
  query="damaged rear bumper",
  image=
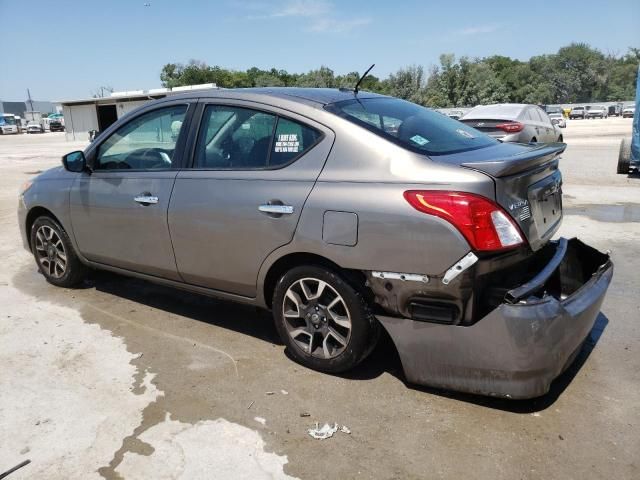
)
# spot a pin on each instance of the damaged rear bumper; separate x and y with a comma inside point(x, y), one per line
point(520, 347)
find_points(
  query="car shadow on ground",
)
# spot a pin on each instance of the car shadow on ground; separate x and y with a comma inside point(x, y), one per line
point(257, 323)
point(240, 318)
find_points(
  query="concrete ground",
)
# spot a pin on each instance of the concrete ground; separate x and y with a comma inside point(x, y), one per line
point(125, 379)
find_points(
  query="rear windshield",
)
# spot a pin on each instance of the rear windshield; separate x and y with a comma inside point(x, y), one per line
point(411, 126)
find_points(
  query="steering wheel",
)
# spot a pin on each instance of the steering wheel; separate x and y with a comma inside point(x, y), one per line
point(152, 158)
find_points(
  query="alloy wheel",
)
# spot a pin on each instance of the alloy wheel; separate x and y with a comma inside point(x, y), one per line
point(317, 318)
point(50, 252)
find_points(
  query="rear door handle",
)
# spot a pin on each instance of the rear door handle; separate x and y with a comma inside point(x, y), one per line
point(276, 209)
point(146, 199)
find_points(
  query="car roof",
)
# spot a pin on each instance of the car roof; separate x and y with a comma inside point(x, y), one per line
point(498, 111)
point(314, 96)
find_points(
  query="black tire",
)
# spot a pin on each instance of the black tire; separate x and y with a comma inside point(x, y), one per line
point(624, 157)
point(74, 272)
point(365, 329)
point(560, 139)
point(533, 140)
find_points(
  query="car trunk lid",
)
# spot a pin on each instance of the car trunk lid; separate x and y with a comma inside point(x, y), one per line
point(527, 181)
point(488, 126)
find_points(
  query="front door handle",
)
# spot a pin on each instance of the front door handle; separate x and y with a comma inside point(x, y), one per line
point(146, 199)
point(276, 209)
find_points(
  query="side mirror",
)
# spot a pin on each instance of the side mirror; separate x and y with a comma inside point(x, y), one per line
point(75, 161)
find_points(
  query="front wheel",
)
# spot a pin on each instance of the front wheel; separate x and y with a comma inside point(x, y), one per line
point(54, 253)
point(325, 323)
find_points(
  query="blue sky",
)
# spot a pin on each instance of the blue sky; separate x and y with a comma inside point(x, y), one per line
point(67, 48)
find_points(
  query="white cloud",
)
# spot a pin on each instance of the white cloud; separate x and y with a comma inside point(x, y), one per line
point(320, 14)
point(479, 30)
point(337, 26)
point(302, 8)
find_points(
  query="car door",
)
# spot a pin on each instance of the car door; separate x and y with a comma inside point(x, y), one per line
point(119, 210)
point(252, 170)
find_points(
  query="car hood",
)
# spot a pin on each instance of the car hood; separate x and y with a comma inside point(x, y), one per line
point(54, 173)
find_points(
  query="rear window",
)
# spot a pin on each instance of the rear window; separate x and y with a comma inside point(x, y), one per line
point(411, 126)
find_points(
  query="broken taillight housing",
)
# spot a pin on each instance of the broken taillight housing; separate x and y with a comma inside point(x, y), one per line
point(483, 223)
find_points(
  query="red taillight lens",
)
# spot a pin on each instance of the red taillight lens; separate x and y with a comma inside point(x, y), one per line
point(511, 127)
point(483, 223)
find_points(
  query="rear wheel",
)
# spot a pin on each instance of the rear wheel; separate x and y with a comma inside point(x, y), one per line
point(533, 140)
point(54, 253)
point(325, 323)
point(624, 157)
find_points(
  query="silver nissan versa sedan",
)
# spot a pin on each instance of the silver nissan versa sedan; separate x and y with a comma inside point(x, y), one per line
point(343, 213)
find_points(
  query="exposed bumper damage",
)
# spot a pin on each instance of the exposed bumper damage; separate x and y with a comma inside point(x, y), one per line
point(519, 347)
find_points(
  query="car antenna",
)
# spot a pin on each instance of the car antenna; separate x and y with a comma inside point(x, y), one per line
point(355, 89)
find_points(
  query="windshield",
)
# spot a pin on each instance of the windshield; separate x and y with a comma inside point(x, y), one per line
point(5, 120)
point(578, 108)
point(411, 126)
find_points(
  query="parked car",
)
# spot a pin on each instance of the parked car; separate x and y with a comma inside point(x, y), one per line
point(597, 111)
point(550, 110)
point(557, 118)
point(513, 122)
point(629, 111)
point(303, 202)
point(577, 112)
point(34, 127)
point(56, 125)
point(615, 110)
point(455, 114)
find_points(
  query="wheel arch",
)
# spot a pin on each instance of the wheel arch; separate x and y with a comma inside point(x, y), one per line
point(34, 213)
point(355, 278)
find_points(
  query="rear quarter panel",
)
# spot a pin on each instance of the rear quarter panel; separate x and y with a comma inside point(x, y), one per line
point(368, 176)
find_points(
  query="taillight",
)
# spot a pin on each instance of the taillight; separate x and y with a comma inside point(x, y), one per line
point(483, 223)
point(511, 127)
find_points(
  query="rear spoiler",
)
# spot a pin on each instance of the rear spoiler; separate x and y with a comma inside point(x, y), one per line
point(520, 162)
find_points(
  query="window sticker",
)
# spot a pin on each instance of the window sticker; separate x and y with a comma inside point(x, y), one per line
point(246, 126)
point(287, 142)
point(419, 140)
point(464, 133)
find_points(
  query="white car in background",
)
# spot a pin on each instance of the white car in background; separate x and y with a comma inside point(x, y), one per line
point(629, 111)
point(558, 119)
point(34, 127)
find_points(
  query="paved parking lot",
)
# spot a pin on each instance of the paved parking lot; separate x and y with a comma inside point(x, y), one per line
point(125, 379)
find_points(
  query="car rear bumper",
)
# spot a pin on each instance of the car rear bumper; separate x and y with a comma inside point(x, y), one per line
point(519, 348)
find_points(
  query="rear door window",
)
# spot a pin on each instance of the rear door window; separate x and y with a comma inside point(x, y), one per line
point(236, 138)
point(292, 140)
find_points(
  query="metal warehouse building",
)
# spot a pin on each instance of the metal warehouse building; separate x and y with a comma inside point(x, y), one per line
point(82, 116)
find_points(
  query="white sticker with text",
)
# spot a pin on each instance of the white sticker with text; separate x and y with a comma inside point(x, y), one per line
point(287, 142)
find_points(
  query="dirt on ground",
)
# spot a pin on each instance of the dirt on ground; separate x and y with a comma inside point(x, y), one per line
point(125, 379)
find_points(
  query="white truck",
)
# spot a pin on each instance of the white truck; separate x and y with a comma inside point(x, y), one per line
point(8, 124)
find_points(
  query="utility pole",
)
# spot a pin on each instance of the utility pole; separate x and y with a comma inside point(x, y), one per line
point(30, 101)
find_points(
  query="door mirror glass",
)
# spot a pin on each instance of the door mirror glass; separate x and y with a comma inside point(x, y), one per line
point(75, 162)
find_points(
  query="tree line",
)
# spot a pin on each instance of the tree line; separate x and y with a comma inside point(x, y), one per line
point(576, 73)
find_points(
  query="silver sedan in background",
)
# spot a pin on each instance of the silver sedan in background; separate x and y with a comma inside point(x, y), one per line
point(513, 122)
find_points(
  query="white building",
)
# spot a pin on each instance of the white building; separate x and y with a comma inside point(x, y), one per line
point(84, 115)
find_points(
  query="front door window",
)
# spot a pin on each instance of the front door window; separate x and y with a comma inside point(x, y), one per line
point(147, 142)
